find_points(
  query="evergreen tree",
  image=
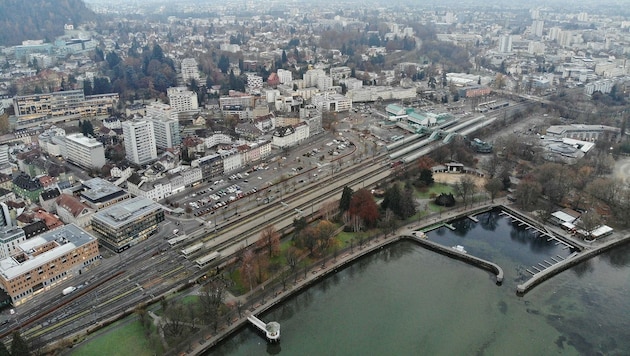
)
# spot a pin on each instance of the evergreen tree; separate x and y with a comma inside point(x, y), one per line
point(18, 345)
point(426, 177)
point(87, 129)
point(391, 199)
point(87, 87)
point(3, 350)
point(346, 197)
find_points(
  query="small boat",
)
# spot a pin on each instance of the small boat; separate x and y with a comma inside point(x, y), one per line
point(459, 248)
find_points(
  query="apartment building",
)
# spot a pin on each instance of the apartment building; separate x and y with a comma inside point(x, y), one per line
point(140, 145)
point(45, 260)
point(85, 152)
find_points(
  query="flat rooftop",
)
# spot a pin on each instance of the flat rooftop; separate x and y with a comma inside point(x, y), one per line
point(122, 213)
point(98, 188)
point(64, 239)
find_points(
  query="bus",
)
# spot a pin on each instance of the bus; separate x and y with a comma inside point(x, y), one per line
point(190, 249)
point(177, 240)
point(202, 261)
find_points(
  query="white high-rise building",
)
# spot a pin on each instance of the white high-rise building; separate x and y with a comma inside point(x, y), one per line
point(139, 141)
point(582, 16)
point(85, 152)
point(159, 110)
point(285, 76)
point(182, 99)
point(537, 27)
point(311, 75)
point(166, 132)
point(189, 70)
point(505, 44)
point(324, 82)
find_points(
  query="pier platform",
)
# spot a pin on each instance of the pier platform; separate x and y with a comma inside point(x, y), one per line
point(271, 329)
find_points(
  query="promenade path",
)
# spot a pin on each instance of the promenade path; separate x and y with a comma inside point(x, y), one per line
point(332, 265)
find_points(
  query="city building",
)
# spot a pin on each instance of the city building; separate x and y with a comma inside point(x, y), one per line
point(98, 193)
point(182, 100)
point(159, 110)
point(166, 131)
point(27, 187)
point(85, 152)
point(64, 103)
point(286, 136)
point(332, 102)
point(73, 211)
point(190, 70)
point(211, 166)
point(584, 132)
point(10, 238)
point(505, 44)
point(285, 76)
point(127, 223)
point(45, 260)
point(140, 145)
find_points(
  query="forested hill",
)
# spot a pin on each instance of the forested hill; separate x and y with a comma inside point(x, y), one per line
point(39, 19)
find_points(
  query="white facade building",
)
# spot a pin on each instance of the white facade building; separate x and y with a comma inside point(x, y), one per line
point(189, 70)
point(85, 152)
point(139, 141)
point(285, 76)
point(166, 132)
point(505, 44)
point(332, 102)
point(159, 110)
point(324, 82)
point(182, 99)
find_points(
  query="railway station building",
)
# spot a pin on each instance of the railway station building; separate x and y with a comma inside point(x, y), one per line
point(43, 261)
point(127, 223)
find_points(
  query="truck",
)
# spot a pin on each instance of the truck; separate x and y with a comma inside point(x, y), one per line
point(68, 290)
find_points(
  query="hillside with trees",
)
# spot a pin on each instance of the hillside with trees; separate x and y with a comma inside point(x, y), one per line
point(39, 19)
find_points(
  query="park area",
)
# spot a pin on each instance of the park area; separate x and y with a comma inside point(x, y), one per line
point(277, 260)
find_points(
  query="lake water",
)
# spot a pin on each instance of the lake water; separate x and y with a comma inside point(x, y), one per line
point(406, 300)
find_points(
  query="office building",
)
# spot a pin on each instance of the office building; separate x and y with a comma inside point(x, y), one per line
point(139, 141)
point(85, 152)
point(98, 193)
point(45, 260)
point(127, 223)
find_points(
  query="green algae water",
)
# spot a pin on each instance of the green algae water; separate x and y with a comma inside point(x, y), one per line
point(405, 300)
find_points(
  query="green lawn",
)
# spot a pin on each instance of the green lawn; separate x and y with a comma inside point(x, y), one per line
point(123, 340)
point(436, 189)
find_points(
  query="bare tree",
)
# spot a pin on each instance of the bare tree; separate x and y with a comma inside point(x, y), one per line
point(493, 187)
point(172, 323)
point(465, 189)
point(211, 299)
point(269, 240)
point(328, 209)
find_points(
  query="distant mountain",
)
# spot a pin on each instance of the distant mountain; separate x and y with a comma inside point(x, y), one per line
point(39, 19)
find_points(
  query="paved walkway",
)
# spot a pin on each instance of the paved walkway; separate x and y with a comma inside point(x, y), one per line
point(331, 266)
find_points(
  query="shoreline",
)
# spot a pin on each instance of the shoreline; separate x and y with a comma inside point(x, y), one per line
point(333, 265)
